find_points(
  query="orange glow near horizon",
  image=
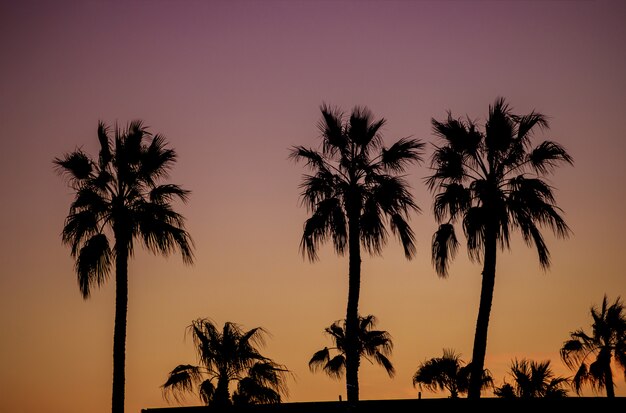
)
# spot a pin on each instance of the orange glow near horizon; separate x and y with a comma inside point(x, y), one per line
point(234, 85)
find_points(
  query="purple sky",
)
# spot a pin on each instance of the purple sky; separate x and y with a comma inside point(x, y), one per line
point(233, 85)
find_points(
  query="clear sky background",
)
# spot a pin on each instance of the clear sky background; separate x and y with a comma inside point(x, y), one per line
point(233, 85)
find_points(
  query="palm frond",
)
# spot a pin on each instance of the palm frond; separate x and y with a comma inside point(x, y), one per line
point(401, 154)
point(327, 219)
point(91, 199)
point(336, 366)
point(251, 339)
point(444, 248)
point(105, 155)
point(474, 223)
point(527, 123)
point(448, 164)
point(547, 156)
point(454, 200)
point(271, 376)
point(250, 391)
point(460, 137)
point(499, 128)
point(156, 160)
point(332, 130)
point(207, 391)
point(93, 263)
point(401, 228)
point(373, 232)
point(163, 230)
point(363, 130)
point(382, 360)
point(312, 158)
point(75, 166)
point(319, 359)
point(181, 380)
point(318, 187)
point(166, 193)
point(79, 227)
point(391, 193)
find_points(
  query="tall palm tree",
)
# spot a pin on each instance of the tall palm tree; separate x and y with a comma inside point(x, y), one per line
point(607, 341)
point(491, 181)
point(447, 373)
point(226, 356)
point(531, 380)
point(118, 199)
point(355, 193)
point(373, 345)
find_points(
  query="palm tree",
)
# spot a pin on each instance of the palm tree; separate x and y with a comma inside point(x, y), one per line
point(373, 345)
point(532, 380)
point(607, 341)
point(447, 373)
point(226, 356)
point(118, 200)
point(492, 182)
point(354, 194)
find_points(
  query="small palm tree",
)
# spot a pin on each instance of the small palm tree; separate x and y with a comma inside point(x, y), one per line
point(447, 373)
point(227, 356)
point(355, 194)
point(492, 183)
point(373, 345)
point(607, 341)
point(119, 200)
point(531, 380)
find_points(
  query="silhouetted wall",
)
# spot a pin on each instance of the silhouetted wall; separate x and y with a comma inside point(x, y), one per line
point(486, 405)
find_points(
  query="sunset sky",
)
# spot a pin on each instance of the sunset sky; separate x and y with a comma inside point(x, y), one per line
point(233, 85)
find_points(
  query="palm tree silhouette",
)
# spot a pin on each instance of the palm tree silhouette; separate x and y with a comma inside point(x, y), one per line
point(354, 194)
point(491, 182)
point(229, 355)
point(607, 341)
point(447, 373)
point(531, 380)
point(118, 199)
point(373, 345)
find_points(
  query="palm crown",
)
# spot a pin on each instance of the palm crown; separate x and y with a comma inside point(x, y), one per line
point(491, 181)
point(373, 345)
point(531, 380)
point(229, 355)
point(607, 340)
point(120, 192)
point(447, 372)
point(356, 178)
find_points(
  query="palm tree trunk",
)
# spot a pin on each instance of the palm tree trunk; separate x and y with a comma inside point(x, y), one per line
point(222, 395)
point(484, 311)
point(352, 312)
point(608, 380)
point(119, 332)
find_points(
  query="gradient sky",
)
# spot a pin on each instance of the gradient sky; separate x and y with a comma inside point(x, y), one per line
point(233, 85)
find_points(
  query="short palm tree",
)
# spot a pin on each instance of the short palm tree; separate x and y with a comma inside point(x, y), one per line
point(355, 194)
point(229, 355)
point(492, 183)
point(447, 373)
point(532, 380)
point(373, 345)
point(119, 199)
point(607, 341)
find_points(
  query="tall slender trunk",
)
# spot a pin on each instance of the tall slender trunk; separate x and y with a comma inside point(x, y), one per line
point(608, 380)
point(484, 311)
point(119, 332)
point(352, 312)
